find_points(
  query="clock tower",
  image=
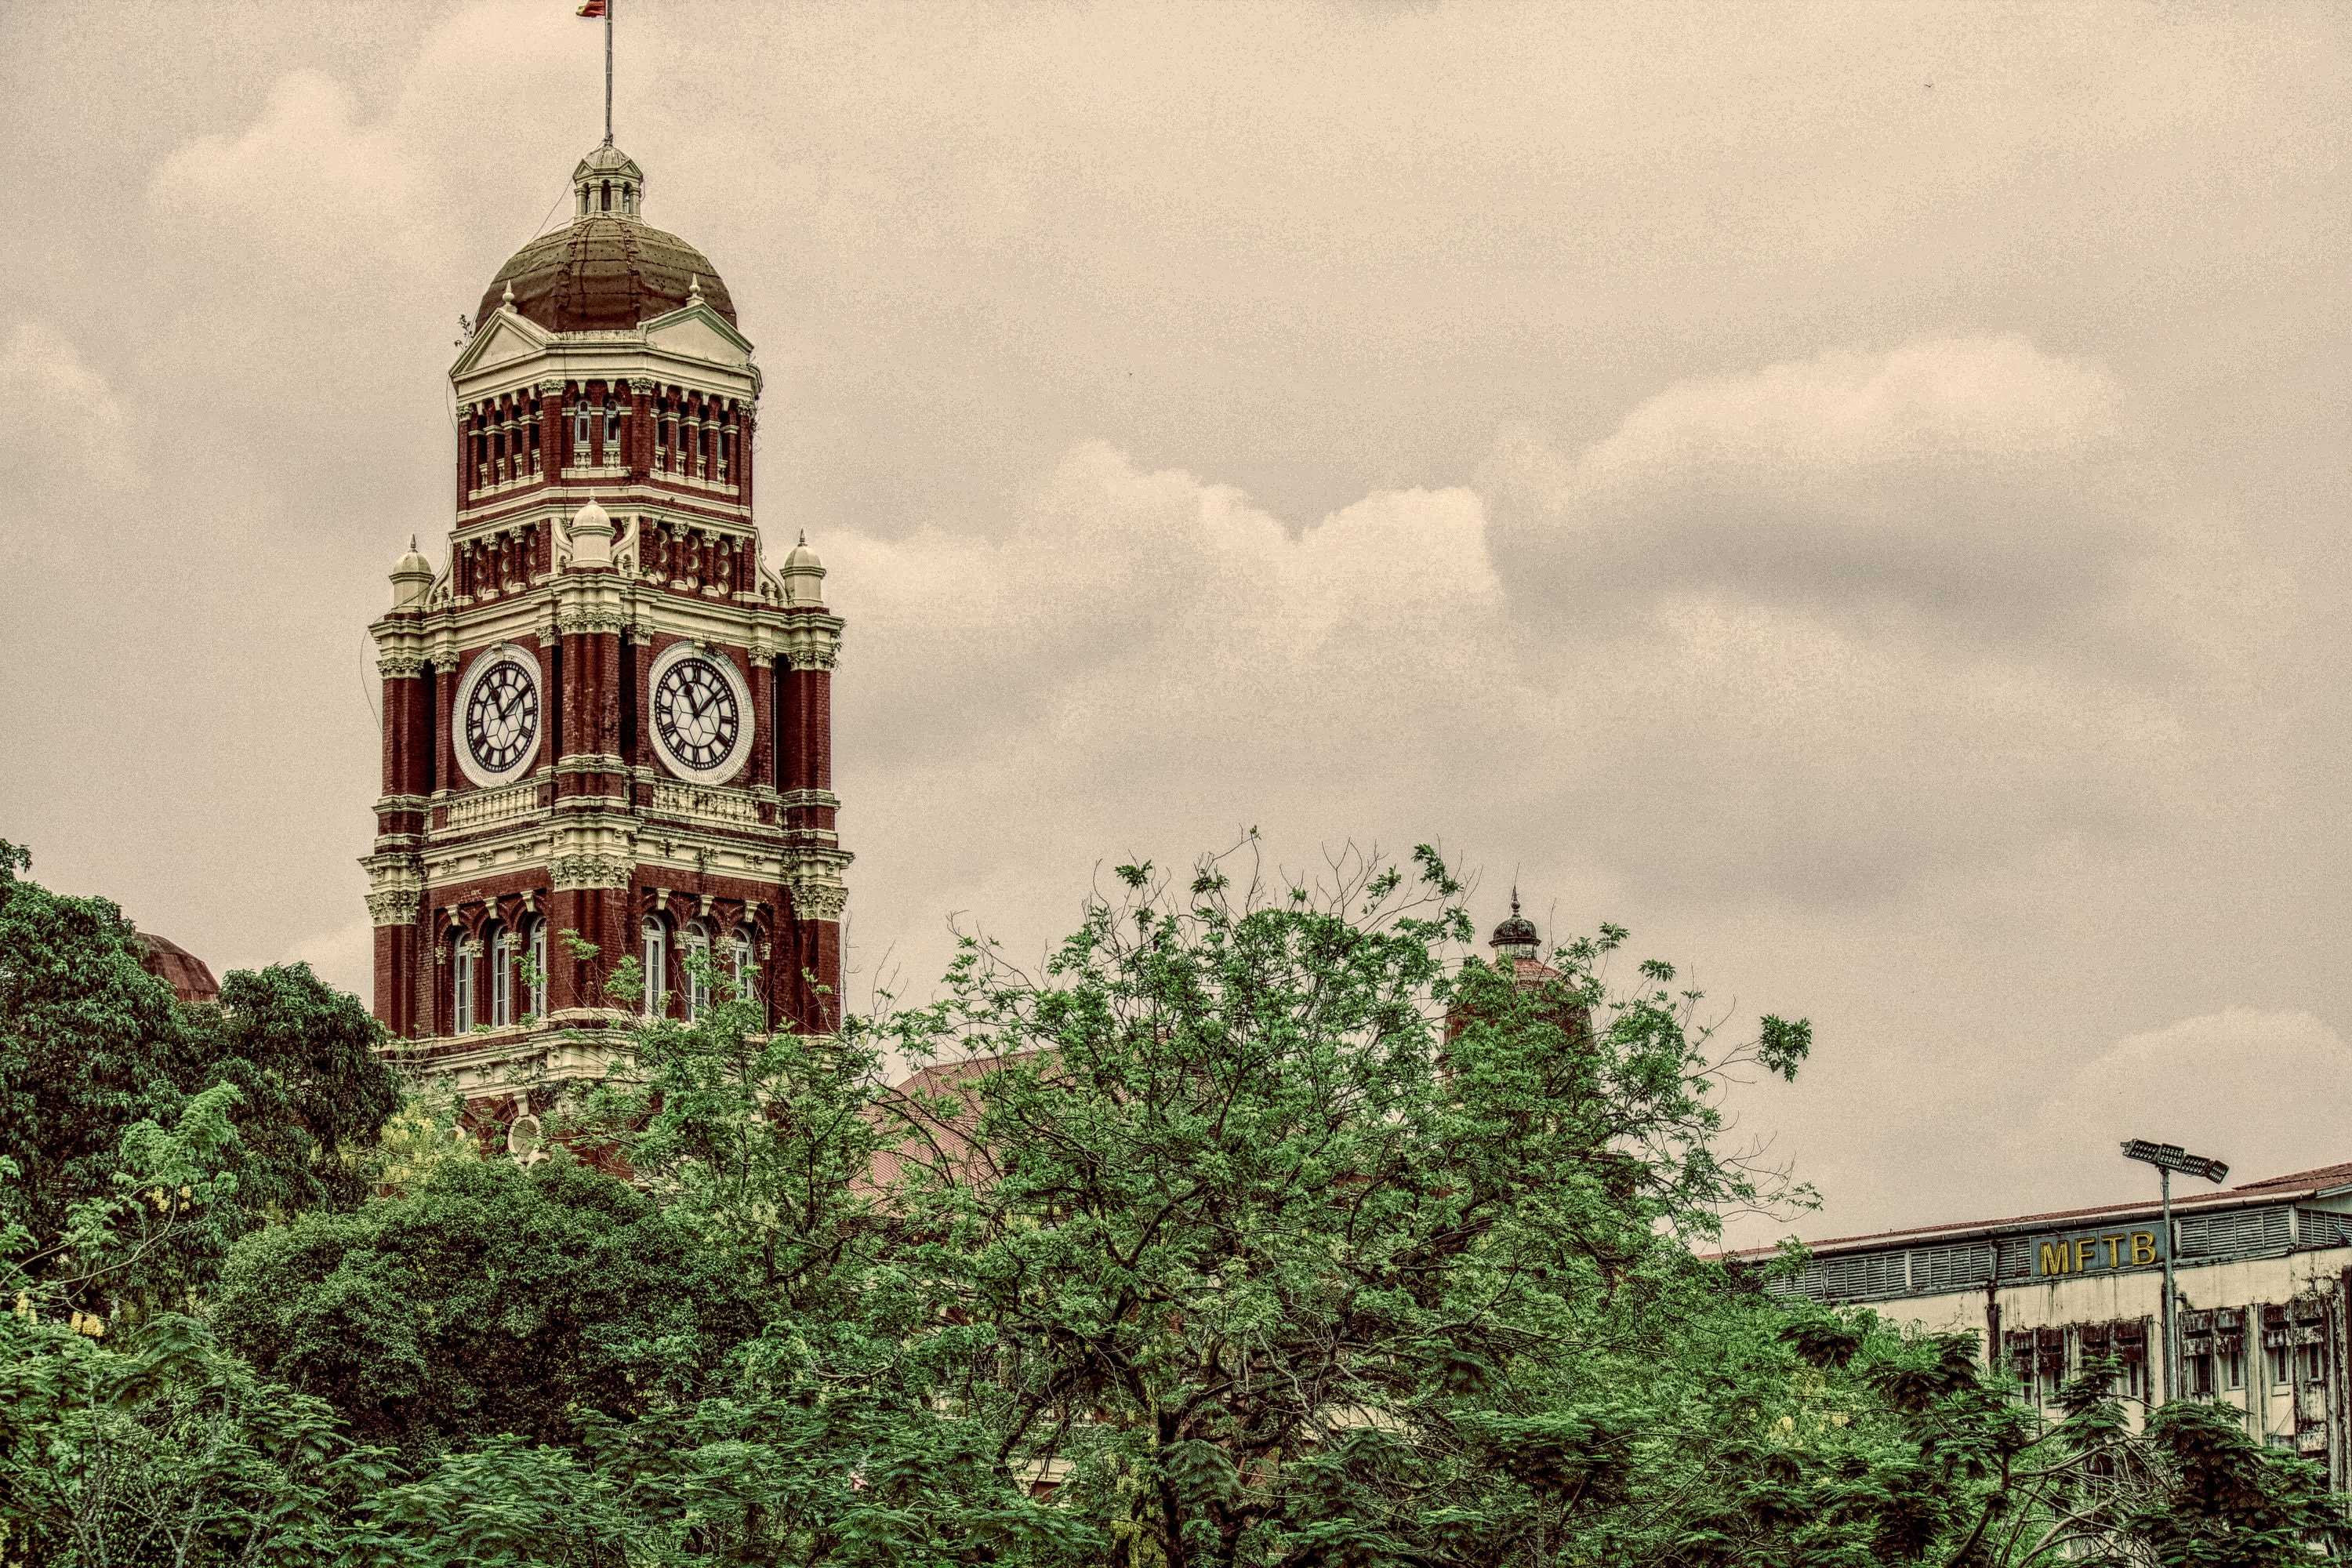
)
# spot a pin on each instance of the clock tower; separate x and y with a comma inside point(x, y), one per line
point(607, 721)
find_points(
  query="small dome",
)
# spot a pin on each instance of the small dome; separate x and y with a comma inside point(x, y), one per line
point(592, 537)
point(1516, 936)
point(412, 577)
point(803, 575)
point(188, 976)
point(608, 159)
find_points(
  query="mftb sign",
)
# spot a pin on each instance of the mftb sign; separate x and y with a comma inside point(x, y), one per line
point(2097, 1252)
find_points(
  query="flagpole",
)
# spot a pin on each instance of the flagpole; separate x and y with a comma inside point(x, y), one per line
point(608, 70)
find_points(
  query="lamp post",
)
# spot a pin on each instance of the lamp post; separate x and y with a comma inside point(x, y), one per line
point(2168, 1158)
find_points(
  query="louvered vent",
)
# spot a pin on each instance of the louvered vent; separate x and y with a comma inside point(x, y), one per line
point(1857, 1277)
point(2321, 1227)
point(2240, 1233)
point(1934, 1268)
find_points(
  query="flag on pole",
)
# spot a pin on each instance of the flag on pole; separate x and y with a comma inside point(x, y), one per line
point(593, 8)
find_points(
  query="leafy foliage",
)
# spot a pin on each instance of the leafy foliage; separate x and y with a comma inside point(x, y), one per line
point(1255, 1229)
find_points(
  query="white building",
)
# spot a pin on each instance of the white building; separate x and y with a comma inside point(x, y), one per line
point(2263, 1272)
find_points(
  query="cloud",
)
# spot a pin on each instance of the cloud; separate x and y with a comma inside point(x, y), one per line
point(306, 169)
point(1841, 623)
point(1643, 665)
point(2262, 1090)
point(56, 412)
point(1814, 634)
point(1973, 489)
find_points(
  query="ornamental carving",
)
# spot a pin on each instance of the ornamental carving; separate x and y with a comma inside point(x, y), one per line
point(817, 891)
point(399, 664)
point(591, 620)
point(393, 907)
point(818, 656)
point(395, 882)
point(590, 871)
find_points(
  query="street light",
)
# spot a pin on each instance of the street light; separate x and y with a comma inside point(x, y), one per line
point(2168, 1158)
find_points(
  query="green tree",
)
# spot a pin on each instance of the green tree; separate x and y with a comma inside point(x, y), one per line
point(1239, 1243)
point(164, 1450)
point(486, 1300)
point(90, 1044)
point(92, 1047)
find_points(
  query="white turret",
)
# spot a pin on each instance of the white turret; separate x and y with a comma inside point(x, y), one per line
point(592, 537)
point(803, 576)
point(412, 578)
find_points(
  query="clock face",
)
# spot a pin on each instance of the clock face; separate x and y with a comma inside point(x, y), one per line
point(501, 715)
point(697, 713)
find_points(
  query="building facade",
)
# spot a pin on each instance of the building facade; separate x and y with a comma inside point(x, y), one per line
point(2263, 1272)
point(607, 721)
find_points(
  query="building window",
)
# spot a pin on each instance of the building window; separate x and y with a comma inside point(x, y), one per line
point(656, 960)
point(2197, 1382)
point(2311, 1363)
point(462, 983)
point(2234, 1367)
point(501, 948)
point(740, 946)
point(580, 430)
point(698, 969)
point(612, 433)
point(2280, 1360)
point(538, 977)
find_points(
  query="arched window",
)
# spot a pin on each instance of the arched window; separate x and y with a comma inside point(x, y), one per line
point(580, 430)
point(656, 959)
point(461, 970)
point(537, 969)
point(740, 950)
point(612, 432)
point(629, 199)
point(608, 197)
point(698, 969)
point(499, 942)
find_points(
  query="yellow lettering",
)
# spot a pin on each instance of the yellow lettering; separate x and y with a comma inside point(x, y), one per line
point(2084, 1250)
point(2056, 1259)
point(2113, 1244)
point(2143, 1247)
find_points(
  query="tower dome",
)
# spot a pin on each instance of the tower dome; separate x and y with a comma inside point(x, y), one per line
point(1516, 937)
point(605, 271)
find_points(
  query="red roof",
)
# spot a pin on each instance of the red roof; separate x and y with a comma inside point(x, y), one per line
point(933, 1139)
point(176, 966)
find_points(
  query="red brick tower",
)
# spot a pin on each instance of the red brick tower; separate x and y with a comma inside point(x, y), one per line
point(607, 717)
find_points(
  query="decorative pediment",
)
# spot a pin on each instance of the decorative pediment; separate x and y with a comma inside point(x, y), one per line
point(696, 331)
point(505, 336)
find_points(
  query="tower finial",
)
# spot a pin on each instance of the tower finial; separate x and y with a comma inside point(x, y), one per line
point(1515, 897)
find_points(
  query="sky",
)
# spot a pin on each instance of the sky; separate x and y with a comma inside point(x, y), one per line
point(1854, 494)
